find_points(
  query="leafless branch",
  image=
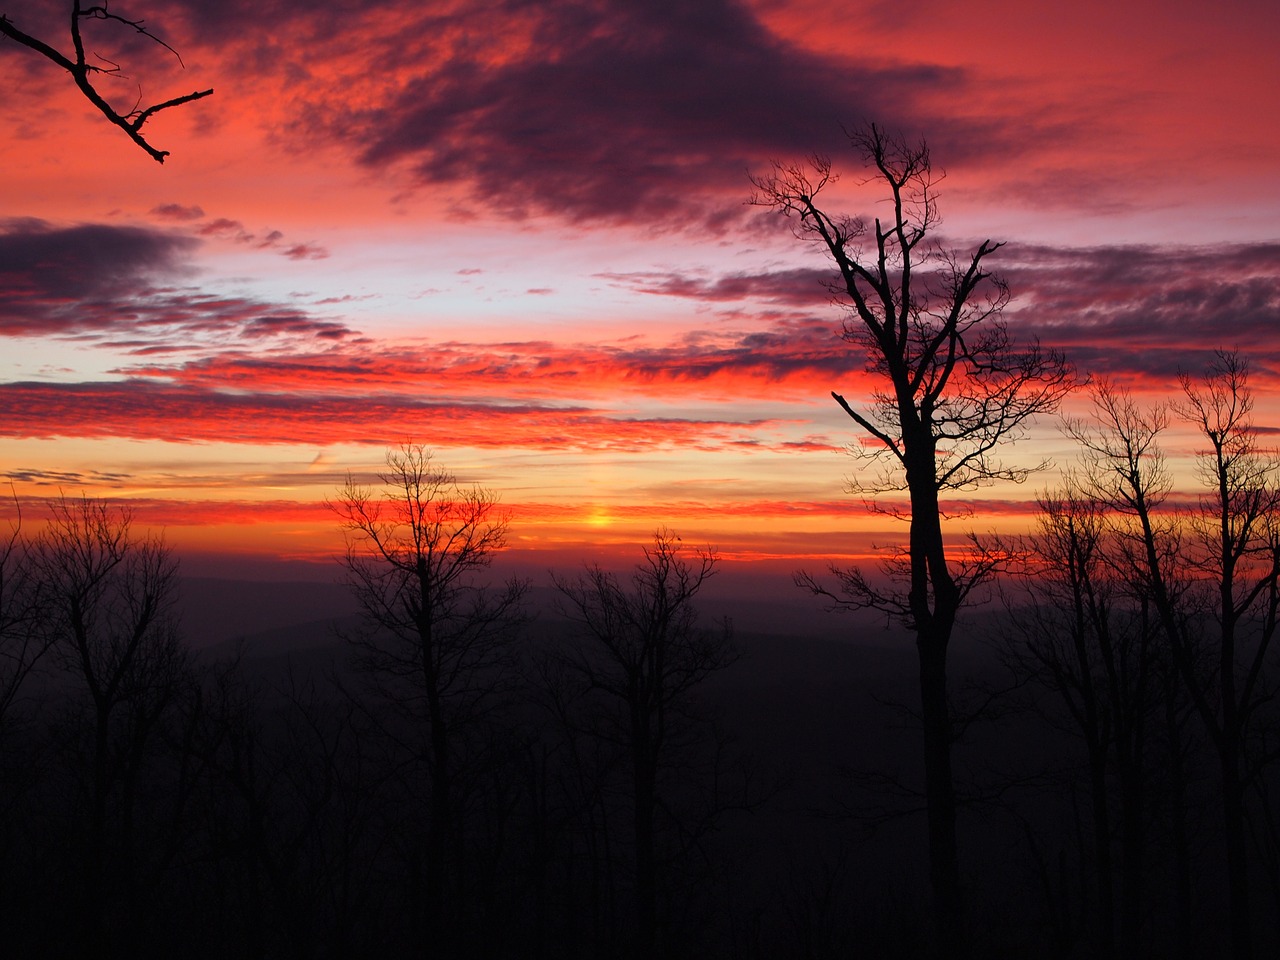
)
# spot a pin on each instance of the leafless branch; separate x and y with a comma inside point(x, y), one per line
point(82, 71)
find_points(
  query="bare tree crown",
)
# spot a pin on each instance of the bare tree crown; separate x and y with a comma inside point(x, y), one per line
point(422, 516)
point(648, 631)
point(415, 546)
point(928, 319)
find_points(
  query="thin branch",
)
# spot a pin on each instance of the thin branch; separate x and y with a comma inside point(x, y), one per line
point(132, 121)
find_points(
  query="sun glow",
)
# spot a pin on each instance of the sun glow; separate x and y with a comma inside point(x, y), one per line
point(599, 518)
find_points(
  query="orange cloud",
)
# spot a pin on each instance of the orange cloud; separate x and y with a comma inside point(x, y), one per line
point(142, 410)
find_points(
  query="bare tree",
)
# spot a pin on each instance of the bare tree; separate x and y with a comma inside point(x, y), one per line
point(24, 638)
point(1082, 632)
point(644, 654)
point(1211, 574)
point(289, 810)
point(438, 640)
point(954, 389)
point(111, 595)
point(24, 641)
point(1235, 544)
point(1124, 476)
point(84, 73)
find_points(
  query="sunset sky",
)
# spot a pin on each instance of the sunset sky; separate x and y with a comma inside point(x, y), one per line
point(517, 232)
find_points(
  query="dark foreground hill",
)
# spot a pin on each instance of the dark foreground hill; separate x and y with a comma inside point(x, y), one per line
point(277, 808)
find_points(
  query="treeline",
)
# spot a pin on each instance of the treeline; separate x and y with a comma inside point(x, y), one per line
point(461, 782)
point(469, 780)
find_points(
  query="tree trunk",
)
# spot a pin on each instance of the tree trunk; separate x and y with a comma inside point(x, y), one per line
point(1102, 848)
point(1133, 844)
point(440, 921)
point(1237, 865)
point(934, 602)
point(646, 889)
point(1181, 830)
point(91, 921)
point(940, 799)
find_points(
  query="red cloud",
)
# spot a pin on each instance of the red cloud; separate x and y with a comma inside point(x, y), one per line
point(793, 360)
point(143, 410)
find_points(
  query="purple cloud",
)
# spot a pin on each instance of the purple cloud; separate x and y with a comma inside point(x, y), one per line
point(1150, 310)
point(113, 284)
point(621, 109)
point(52, 278)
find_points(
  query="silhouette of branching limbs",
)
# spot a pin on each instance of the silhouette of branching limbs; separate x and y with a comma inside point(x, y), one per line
point(641, 653)
point(437, 645)
point(953, 388)
point(84, 72)
point(111, 598)
point(23, 639)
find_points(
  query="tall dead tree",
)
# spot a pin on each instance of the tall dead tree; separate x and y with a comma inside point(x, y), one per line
point(1123, 477)
point(1081, 630)
point(85, 73)
point(953, 388)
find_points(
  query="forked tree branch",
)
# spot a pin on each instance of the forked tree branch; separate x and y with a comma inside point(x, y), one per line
point(132, 121)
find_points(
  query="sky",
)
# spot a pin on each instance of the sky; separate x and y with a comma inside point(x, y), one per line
point(518, 233)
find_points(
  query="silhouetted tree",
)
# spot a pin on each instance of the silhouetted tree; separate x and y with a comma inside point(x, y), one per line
point(438, 643)
point(1234, 544)
point(1083, 633)
point(954, 389)
point(290, 816)
point(24, 637)
point(83, 72)
point(24, 640)
point(1211, 576)
point(110, 596)
point(642, 655)
point(1123, 472)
